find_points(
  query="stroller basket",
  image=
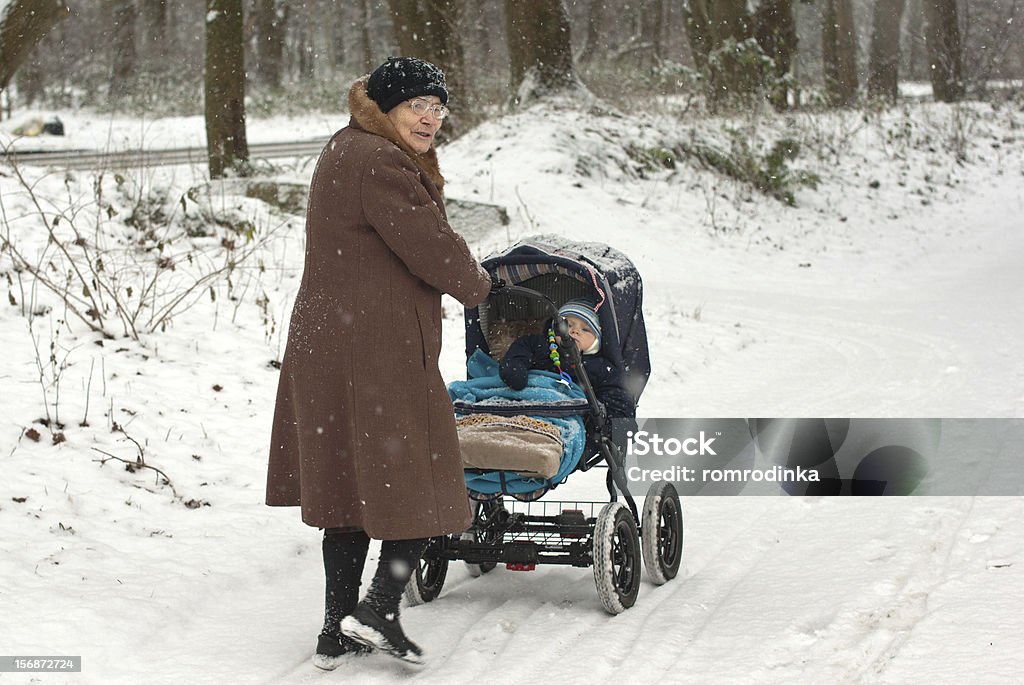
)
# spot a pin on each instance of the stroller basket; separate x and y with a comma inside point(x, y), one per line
point(530, 533)
point(548, 523)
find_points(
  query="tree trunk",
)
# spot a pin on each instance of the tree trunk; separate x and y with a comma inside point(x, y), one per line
point(369, 64)
point(409, 26)
point(839, 52)
point(31, 80)
point(651, 23)
point(883, 69)
point(699, 33)
point(305, 51)
point(595, 22)
point(942, 33)
point(338, 44)
point(540, 50)
point(122, 76)
point(154, 19)
point(917, 59)
point(446, 51)
point(24, 25)
point(225, 88)
point(775, 31)
point(271, 22)
point(733, 73)
point(429, 30)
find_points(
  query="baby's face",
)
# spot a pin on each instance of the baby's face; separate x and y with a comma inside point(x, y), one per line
point(581, 332)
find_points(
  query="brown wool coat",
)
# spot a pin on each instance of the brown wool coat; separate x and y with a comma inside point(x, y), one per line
point(364, 434)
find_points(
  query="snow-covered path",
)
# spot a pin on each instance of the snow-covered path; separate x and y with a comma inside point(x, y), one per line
point(858, 316)
point(774, 590)
point(927, 330)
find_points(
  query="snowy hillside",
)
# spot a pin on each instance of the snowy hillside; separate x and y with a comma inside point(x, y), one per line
point(892, 289)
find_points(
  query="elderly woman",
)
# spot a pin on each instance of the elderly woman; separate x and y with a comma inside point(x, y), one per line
point(364, 435)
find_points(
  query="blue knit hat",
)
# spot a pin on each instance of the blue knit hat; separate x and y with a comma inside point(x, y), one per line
point(583, 309)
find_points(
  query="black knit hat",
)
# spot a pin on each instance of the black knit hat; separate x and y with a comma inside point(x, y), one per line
point(402, 78)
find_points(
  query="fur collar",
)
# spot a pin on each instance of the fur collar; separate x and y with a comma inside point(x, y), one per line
point(367, 116)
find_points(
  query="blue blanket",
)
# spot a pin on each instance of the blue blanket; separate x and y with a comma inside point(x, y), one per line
point(485, 388)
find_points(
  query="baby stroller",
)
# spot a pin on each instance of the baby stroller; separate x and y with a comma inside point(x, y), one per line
point(542, 273)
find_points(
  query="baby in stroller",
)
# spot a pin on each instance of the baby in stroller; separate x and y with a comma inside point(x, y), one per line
point(541, 351)
point(552, 426)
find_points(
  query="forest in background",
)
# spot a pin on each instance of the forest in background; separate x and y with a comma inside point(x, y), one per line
point(148, 55)
point(165, 57)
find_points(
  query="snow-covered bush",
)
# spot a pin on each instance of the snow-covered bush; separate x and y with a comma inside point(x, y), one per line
point(123, 256)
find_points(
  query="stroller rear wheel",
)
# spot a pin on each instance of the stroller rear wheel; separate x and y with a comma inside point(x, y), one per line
point(661, 533)
point(426, 583)
point(482, 530)
point(616, 558)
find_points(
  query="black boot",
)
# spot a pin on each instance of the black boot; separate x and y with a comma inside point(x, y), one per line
point(374, 622)
point(344, 558)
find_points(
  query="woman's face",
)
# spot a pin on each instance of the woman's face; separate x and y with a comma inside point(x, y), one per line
point(416, 130)
point(580, 331)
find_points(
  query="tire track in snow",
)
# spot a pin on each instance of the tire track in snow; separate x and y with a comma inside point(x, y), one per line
point(502, 619)
point(870, 352)
point(626, 645)
point(493, 634)
point(912, 603)
point(851, 638)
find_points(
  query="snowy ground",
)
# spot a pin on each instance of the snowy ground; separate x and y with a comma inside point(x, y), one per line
point(891, 290)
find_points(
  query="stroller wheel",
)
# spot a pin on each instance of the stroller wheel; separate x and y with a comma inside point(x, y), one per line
point(616, 557)
point(661, 533)
point(483, 531)
point(426, 583)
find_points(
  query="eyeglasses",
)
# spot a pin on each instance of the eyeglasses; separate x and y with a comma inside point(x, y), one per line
point(421, 107)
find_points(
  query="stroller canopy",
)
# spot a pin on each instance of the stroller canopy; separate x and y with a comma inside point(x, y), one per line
point(561, 270)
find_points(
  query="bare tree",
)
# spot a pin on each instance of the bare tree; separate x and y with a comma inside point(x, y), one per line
point(485, 51)
point(24, 25)
point(883, 68)
point(839, 52)
point(270, 23)
point(339, 43)
point(364, 22)
point(429, 29)
point(154, 19)
point(540, 50)
point(648, 43)
point(124, 54)
point(992, 36)
point(775, 31)
point(409, 26)
point(699, 33)
point(226, 144)
point(942, 33)
point(916, 64)
point(592, 36)
point(305, 48)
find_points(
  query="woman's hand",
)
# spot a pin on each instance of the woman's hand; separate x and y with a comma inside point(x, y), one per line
point(497, 284)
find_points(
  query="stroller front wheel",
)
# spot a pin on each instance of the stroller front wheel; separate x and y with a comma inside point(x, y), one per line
point(616, 557)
